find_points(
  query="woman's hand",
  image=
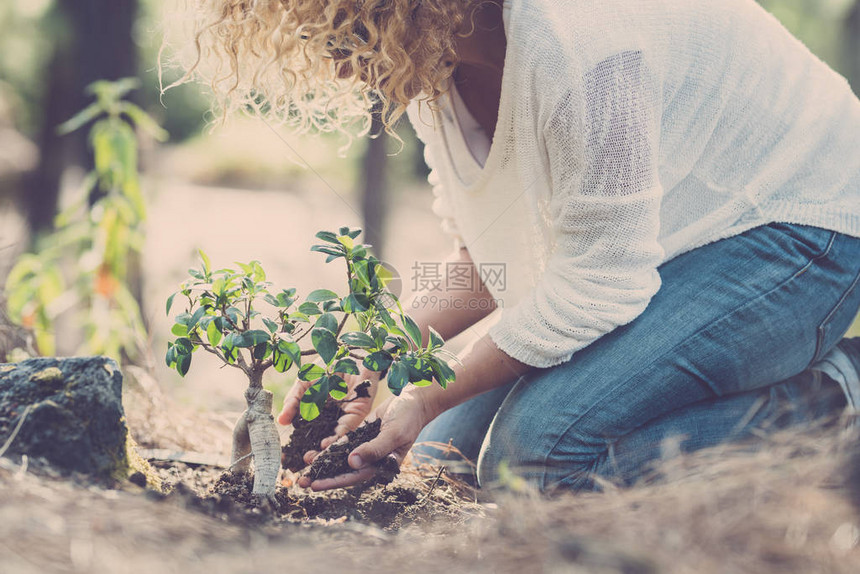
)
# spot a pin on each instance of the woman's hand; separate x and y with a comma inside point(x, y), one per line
point(403, 418)
point(355, 411)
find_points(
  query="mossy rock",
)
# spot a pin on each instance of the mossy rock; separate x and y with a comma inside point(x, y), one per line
point(70, 413)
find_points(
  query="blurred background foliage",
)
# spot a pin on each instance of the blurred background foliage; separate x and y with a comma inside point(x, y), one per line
point(245, 184)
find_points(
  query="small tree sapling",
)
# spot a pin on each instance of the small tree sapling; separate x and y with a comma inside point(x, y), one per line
point(238, 317)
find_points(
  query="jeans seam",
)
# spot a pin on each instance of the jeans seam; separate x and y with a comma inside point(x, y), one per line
point(820, 332)
point(704, 328)
point(819, 256)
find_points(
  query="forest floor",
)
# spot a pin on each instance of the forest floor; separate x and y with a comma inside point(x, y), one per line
point(790, 506)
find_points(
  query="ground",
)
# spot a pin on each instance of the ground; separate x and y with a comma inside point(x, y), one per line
point(790, 507)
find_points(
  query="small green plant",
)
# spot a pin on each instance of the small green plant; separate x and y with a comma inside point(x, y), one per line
point(238, 317)
point(100, 232)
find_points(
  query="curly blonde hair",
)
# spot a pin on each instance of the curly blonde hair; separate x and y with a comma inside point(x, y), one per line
point(322, 64)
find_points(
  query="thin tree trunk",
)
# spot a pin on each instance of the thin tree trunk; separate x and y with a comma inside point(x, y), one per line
point(255, 434)
point(374, 192)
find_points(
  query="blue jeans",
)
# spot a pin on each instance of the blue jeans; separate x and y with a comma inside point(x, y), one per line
point(721, 353)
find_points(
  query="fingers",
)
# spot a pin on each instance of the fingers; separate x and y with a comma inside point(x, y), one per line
point(310, 456)
point(374, 450)
point(344, 480)
point(327, 442)
point(291, 402)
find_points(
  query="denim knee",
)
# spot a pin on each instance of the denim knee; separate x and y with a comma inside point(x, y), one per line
point(527, 449)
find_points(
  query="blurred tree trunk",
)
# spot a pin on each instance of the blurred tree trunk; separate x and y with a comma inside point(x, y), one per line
point(93, 41)
point(851, 45)
point(374, 192)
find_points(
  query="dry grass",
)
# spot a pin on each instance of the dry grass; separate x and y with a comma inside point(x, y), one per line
point(790, 507)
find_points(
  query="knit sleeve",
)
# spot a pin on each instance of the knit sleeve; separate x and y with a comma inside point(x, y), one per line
point(602, 141)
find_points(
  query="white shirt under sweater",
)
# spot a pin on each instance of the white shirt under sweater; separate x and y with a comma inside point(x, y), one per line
point(629, 132)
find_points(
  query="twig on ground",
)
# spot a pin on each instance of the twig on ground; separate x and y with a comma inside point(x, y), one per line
point(432, 486)
point(12, 436)
point(240, 459)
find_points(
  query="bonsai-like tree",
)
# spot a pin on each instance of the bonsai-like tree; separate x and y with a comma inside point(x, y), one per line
point(238, 317)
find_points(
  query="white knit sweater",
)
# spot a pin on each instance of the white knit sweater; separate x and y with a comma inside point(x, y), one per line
point(629, 132)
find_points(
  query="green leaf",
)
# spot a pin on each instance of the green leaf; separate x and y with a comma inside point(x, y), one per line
point(360, 270)
point(308, 411)
point(183, 363)
point(400, 343)
point(285, 354)
point(80, 119)
point(234, 315)
point(213, 332)
point(170, 357)
point(262, 351)
point(321, 295)
point(291, 349)
point(346, 366)
point(311, 372)
point(337, 388)
point(412, 329)
point(270, 325)
point(327, 321)
point(327, 236)
point(317, 393)
point(170, 303)
point(436, 339)
point(144, 121)
point(379, 335)
point(398, 377)
point(179, 330)
point(184, 345)
point(420, 371)
point(324, 342)
point(442, 372)
point(229, 348)
point(251, 338)
point(280, 361)
point(355, 303)
point(358, 339)
point(309, 308)
point(285, 298)
point(195, 318)
point(346, 241)
point(330, 251)
point(378, 361)
point(207, 265)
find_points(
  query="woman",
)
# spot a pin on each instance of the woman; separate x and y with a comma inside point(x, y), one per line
point(672, 186)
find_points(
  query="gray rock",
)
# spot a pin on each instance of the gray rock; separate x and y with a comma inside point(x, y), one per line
point(73, 413)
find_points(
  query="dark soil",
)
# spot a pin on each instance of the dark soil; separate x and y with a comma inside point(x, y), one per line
point(333, 461)
point(414, 498)
point(307, 435)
